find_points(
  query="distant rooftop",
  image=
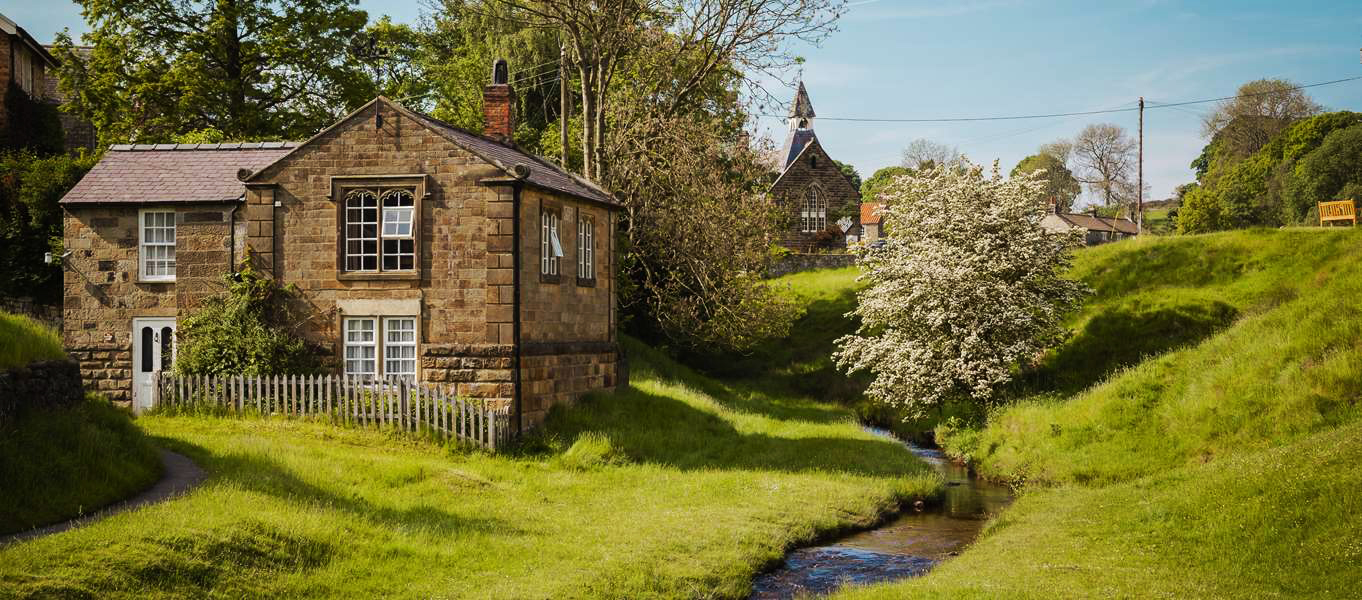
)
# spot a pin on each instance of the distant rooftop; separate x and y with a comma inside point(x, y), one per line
point(215, 146)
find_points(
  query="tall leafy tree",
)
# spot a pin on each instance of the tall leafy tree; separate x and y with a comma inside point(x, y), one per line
point(1061, 188)
point(249, 68)
point(1260, 110)
point(1105, 157)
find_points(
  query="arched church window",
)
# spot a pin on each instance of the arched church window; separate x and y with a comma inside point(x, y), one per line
point(813, 216)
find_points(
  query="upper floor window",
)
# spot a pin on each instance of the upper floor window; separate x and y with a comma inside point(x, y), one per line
point(550, 248)
point(813, 216)
point(156, 245)
point(379, 229)
point(586, 249)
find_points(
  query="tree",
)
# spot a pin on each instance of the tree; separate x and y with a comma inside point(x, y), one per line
point(697, 232)
point(1333, 171)
point(1060, 186)
point(923, 154)
point(252, 69)
point(31, 220)
point(871, 188)
point(706, 36)
point(389, 55)
point(1061, 150)
point(967, 289)
point(851, 173)
point(1105, 157)
point(1258, 112)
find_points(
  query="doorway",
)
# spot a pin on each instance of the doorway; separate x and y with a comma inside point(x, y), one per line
point(153, 349)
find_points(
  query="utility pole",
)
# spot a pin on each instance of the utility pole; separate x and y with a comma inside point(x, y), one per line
point(1139, 180)
point(562, 105)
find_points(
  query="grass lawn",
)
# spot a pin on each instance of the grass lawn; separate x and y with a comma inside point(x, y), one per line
point(1275, 523)
point(61, 463)
point(678, 487)
point(23, 340)
point(1229, 466)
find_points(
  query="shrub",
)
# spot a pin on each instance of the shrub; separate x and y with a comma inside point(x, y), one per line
point(251, 329)
point(830, 237)
point(34, 125)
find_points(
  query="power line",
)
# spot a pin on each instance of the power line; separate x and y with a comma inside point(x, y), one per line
point(1071, 114)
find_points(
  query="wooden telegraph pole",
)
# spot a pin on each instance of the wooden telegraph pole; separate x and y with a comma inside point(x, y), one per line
point(1139, 180)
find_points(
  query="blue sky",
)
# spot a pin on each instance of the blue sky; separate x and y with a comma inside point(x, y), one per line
point(974, 58)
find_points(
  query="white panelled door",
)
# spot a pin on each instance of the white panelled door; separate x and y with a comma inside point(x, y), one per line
point(153, 349)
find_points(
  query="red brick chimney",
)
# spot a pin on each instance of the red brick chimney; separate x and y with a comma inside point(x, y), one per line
point(498, 104)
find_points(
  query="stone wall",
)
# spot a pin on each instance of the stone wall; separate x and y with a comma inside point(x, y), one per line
point(795, 263)
point(46, 314)
point(104, 291)
point(5, 59)
point(793, 184)
point(565, 309)
point(39, 386)
point(561, 374)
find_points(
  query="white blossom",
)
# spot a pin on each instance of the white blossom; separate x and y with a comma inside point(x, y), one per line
point(967, 288)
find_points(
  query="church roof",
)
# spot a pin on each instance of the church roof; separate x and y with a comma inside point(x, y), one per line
point(794, 144)
point(802, 107)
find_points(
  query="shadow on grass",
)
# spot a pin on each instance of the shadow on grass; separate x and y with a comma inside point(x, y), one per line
point(263, 475)
point(653, 428)
point(1122, 336)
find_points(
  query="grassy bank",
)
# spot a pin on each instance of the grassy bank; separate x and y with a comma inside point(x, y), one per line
point(1226, 465)
point(678, 487)
point(23, 340)
point(1289, 362)
point(1275, 523)
point(61, 463)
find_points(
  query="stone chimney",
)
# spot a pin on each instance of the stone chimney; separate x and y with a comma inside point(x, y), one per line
point(498, 104)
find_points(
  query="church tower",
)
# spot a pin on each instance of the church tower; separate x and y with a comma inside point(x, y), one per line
point(800, 122)
point(823, 203)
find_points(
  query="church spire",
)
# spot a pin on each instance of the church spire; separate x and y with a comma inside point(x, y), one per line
point(801, 111)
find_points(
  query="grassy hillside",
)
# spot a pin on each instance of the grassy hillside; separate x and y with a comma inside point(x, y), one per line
point(61, 463)
point(680, 486)
point(1274, 523)
point(1200, 437)
point(23, 340)
point(1263, 334)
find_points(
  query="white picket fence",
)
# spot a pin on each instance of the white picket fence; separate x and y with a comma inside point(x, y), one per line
point(416, 407)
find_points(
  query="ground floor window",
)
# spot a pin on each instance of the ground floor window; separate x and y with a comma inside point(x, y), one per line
point(394, 338)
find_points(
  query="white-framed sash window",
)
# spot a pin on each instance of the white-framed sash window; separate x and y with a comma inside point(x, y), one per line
point(393, 338)
point(586, 248)
point(156, 245)
point(550, 248)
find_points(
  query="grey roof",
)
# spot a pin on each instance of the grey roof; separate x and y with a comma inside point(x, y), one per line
point(146, 173)
point(794, 144)
point(1096, 223)
point(542, 172)
point(802, 106)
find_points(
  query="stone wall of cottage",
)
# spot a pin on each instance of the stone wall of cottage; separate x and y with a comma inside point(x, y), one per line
point(5, 60)
point(567, 323)
point(103, 291)
point(464, 291)
point(834, 186)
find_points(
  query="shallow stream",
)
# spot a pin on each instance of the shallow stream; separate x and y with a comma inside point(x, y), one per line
point(905, 547)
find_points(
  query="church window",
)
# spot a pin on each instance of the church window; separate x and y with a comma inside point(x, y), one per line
point(813, 217)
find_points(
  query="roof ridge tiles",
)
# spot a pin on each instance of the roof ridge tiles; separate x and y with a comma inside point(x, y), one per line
point(276, 145)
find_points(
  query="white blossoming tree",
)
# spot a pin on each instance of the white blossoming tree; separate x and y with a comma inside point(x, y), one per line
point(967, 288)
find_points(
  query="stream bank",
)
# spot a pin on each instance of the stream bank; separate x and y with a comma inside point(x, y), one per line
point(907, 546)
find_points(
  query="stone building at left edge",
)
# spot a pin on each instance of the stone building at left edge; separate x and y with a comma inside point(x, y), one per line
point(423, 251)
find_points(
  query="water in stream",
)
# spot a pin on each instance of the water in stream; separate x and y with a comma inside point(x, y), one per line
point(905, 547)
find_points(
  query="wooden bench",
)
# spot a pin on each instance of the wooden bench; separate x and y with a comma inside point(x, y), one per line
point(1341, 210)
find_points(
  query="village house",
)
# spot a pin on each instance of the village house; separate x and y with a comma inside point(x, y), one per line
point(23, 63)
point(1100, 230)
point(425, 252)
point(811, 185)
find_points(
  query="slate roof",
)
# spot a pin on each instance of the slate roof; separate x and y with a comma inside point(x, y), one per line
point(1095, 223)
point(542, 172)
point(145, 173)
point(868, 214)
point(794, 144)
point(802, 107)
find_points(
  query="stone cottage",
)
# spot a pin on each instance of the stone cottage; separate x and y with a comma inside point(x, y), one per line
point(811, 186)
point(424, 251)
point(23, 63)
point(1097, 229)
